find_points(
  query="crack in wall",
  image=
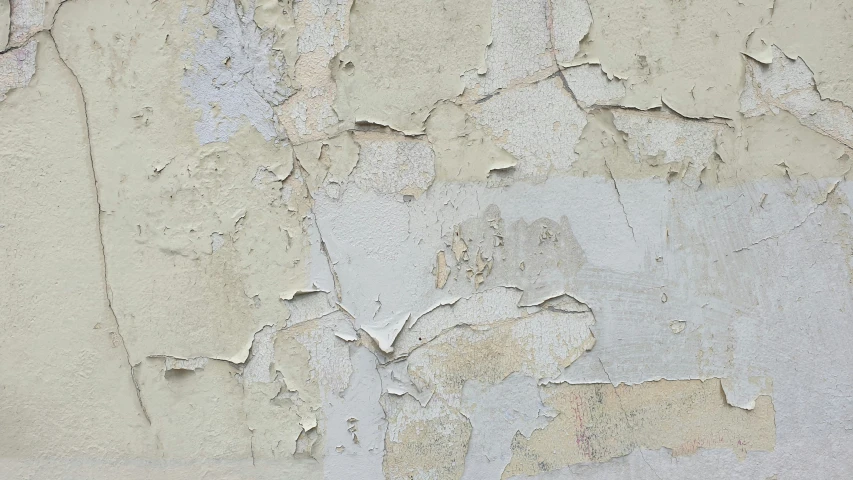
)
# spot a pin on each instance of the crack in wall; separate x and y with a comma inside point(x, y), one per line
point(808, 215)
point(107, 292)
point(454, 258)
point(619, 198)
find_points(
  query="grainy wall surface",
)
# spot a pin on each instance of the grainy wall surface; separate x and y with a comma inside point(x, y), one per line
point(426, 239)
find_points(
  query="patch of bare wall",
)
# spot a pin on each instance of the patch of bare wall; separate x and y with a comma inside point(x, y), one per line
point(426, 240)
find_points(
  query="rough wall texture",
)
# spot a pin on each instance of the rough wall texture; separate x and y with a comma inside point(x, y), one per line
point(431, 239)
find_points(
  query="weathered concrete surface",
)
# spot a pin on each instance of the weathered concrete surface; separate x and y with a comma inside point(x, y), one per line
point(493, 239)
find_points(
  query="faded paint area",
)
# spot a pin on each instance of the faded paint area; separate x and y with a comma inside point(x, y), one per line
point(336, 239)
point(595, 423)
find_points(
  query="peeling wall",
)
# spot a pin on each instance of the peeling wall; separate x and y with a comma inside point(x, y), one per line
point(492, 239)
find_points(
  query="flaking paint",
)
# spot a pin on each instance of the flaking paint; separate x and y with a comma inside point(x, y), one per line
point(427, 240)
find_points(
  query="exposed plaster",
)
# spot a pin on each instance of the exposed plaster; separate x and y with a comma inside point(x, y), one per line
point(425, 240)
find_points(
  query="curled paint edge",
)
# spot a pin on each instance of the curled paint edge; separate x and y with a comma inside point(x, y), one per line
point(765, 56)
point(384, 335)
point(295, 293)
point(396, 391)
point(347, 337)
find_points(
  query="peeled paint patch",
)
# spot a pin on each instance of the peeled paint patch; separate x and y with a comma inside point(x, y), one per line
point(677, 326)
point(26, 19)
point(660, 138)
point(5, 23)
point(816, 31)
point(685, 54)
point(423, 441)
point(17, 67)
point(322, 29)
point(475, 358)
point(539, 124)
point(488, 252)
point(173, 363)
point(570, 22)
point(236, 76)
point(497, 413)
point(628, 144)
point(312, 365)
point(480, 309)
point(395, 167)
point(538, 346)
point(788, 85)
point(519, 47)
point(591, 87)
point(744, 392)
point(397, 65)
point(596, 423)
point(273, 420)
point(258, 367)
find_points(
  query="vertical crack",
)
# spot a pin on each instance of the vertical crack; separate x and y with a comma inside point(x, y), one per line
point(619, 198)
point(323, 247)
point(252, 446)
point(107, 290)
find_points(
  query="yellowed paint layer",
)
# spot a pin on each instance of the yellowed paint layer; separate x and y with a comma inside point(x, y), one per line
point(596, 423)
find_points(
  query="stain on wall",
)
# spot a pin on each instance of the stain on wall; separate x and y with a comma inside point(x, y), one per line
point(363, 239)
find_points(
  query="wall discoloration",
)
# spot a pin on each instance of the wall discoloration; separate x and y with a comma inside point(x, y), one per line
point(333, 239)
point(595, 423)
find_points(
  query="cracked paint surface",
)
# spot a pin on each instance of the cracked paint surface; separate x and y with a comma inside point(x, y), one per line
point(337, 239)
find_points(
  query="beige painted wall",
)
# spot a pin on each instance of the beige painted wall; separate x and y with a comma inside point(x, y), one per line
point(432, 239)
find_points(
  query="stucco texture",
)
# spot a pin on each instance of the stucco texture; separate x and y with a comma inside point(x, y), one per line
point(426, 239)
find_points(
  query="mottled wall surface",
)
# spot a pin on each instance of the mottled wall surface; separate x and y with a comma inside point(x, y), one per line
point(426, 239)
